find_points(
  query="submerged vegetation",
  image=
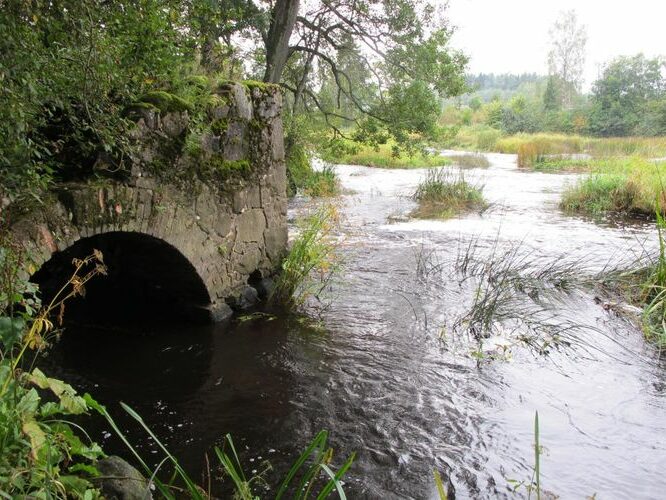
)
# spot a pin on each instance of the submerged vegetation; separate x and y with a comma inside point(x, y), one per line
point(443, 194)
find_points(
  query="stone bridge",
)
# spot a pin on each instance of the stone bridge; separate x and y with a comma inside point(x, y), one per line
point(200, 218)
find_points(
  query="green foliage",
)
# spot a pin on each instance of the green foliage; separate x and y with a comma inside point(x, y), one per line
point(411, 109)
point(624, 95)
point(322, 183)
point(299, 169)
point(552, 100)
point(42, 455)
point(68, 70)
point(443, 194)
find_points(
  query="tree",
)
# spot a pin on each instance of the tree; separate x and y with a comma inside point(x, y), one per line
point(627, 94)
point(566, 57)
point(398, 43)
point(552, 100)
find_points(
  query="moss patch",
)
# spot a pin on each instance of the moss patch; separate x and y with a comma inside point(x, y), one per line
point(261, 86)
point(223, 169)
point(219, 127)
point(166, 102)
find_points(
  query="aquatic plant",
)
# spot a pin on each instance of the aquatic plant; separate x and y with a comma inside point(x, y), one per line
point(511, 292)
point(310, 475)
point(311, 262)
point(643, 283)
point(443, 194)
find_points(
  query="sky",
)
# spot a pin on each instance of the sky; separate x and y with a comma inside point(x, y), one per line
point(511, 36)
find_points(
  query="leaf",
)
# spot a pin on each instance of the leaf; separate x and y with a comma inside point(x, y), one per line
point(28, 404)
point(440, 485)
point(85, 468)
point(70, 403)
point(11, 331)
point(36, 435)
point(75, 486)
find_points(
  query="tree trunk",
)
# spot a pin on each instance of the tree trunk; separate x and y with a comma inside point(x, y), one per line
point(283, 19)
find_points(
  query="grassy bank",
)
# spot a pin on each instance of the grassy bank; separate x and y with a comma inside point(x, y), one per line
point(383, 156)
point(629, 186)
point(443, 194)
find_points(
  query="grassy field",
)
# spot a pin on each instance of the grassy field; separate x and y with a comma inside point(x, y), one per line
point(383, 157)
point(443, 194)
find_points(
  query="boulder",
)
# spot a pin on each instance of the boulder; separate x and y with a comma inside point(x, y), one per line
point(120, 481)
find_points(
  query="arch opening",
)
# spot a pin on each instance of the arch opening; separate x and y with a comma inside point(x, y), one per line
point(149, 282)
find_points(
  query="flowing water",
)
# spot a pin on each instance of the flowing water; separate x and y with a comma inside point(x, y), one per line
point(391, 369)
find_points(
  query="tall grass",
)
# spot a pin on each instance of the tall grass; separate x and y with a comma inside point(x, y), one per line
point(470, 161)
point(443, 194)
point(530, 147)
point(322, 183)
point(628, 186)
point(311, 261)
point(653, 293)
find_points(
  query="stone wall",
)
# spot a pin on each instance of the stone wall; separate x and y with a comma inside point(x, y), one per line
point(222, 204)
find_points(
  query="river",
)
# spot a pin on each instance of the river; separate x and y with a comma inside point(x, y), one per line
point(391, 369)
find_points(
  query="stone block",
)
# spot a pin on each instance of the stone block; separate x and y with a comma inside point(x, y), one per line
point(251, 225)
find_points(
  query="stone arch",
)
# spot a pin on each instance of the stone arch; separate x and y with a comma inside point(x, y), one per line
point(148, 279)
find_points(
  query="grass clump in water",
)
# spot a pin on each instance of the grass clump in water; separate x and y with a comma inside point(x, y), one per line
point(626, 186)
point(443, 194)
point(322, 183)
point(470, 161)
point(311, 262)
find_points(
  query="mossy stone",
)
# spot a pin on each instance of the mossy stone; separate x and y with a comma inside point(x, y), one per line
point(166, 102)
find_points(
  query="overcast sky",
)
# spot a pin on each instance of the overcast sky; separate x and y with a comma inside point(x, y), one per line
point(511, 36)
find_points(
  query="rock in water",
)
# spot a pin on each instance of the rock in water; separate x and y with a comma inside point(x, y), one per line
point(120, 481)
